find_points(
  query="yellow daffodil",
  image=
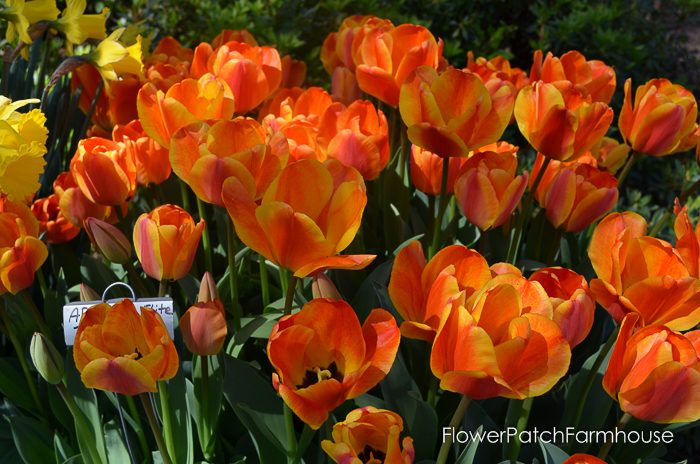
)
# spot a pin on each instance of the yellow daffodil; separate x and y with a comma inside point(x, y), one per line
point(78, 27)
point(20, 15)
point(112, 58)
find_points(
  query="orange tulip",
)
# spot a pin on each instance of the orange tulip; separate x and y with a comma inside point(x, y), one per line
point(252, 73)
point(298, 138)
point(75, 206)
point(309, 214)
point(594, 76)
point(119, 350)
point(168, 64)
point(487, 189)
point(581, 458)
point(339, 48)
point(492, 347)
point(497, 67)
point(574, 195)
point(660, 119)
point(608, 155)
point(454, 113)
point(52, 221)
point(559, 121)
point(370, 435)
point(572, 301)
point(104, 171)
point(21, 252)
point(293, 72)
point(289, 104)
point(640, 274)
point(237, 35)
point(322, 356)
point(420, 290)
point(344, 86)
point(203, 327)
point(385, 58)
point(687, 240)
point(186, 102)
point(357, 136)
point(204, 156)
point(152, 160)
point(654, 373)
point(166, 241)
point(426, 171)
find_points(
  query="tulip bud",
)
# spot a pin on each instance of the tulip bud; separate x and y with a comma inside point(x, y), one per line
point(109, 241)
point(323, 287)
point(207, 289)
point(203, 328)
point(46, 358)
point(88, 294)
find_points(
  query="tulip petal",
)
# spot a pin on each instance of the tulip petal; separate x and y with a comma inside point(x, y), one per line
point(120, 375)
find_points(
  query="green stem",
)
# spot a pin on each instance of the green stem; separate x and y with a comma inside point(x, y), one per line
point(454, 423)
point(289, 299)
point(206, 238)
point(631, 161)
point(205, 399)
point(138, 428)
point(621, 424)
point(442, 206)
point(233, 274)
point(306, 436)
point(291, 434)
point(554, 248)
point(432, 390)
point(80, 424)
point(264, 281)
point(153, 422)
point(135, 279)
point(164, 396)
point(42, 283)
point(36, 314)
point(185, 195)
point(524, 408)
point(592, 375)
point(163, 288)
point(9, 329)
point(404, 156)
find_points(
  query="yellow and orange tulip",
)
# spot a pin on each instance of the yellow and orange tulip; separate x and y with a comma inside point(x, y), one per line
point(426, 171)
point(52, 221)
point(75, 206)
point(150, 158)
point(497, 67)
point(370, 435)
point(168, 64)
point(119, 350)
point(322, 356)
point(309, 214)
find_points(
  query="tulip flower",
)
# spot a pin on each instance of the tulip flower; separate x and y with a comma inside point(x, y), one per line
point(371, 435)
point(203, 327)
point(581, 458)
point(187, 102)
point(573, 302)
point(23, 141)
point(487, 189)
point(168, 64)
point(236, 35)
point(559, 121)
point(385, 58)
point(293, 72)
point(642, 275)
point(166, 241)
point(357, 136)
point(204, 156)
point(340, 48)
point(119, 350)
point(687, 239)
point(344, 86)
point(420, 290)
point(297, 138)
point(52, 220)
point(659, 118)
point(74, 205)
point(497, 67)
point(323, 287)
point(426, 171)
point(290, 104)
point(109, 241)
point(150, 158)
point(574, 195)
point(46, 358)
point(103, 171)
point(608, 155)
point(654, 373)
point(322, 356)
point(252, 73)
point(491, 347)
point(595, 77)
point(454, 113)
point(309, 214)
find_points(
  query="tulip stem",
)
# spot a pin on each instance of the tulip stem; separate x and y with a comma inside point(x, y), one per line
point(631, 161)
point(291, 434)
point(42, 283)
point(523, 414)
point(153, 422)
point(621, 424)
point(38, 318)
point(442, 206)
point(454, 423)
point(433, 385)
point(9, 330)
point(206, 238)
point(289, 299)
point(403, 157)
point(135, 279)
point(264, 281)
point(80, 424)
point(163, 288)
point(138, 426)
point(233, 274)
point(164, 396)
point(592, 375)
point(185, 194)
point(516, 238)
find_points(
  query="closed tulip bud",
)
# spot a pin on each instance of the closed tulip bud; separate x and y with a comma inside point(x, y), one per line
point(207, 288)
point(203, 327)
point(88, 294)
point(322, 287)
point(46, 359)
point(108, 241)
